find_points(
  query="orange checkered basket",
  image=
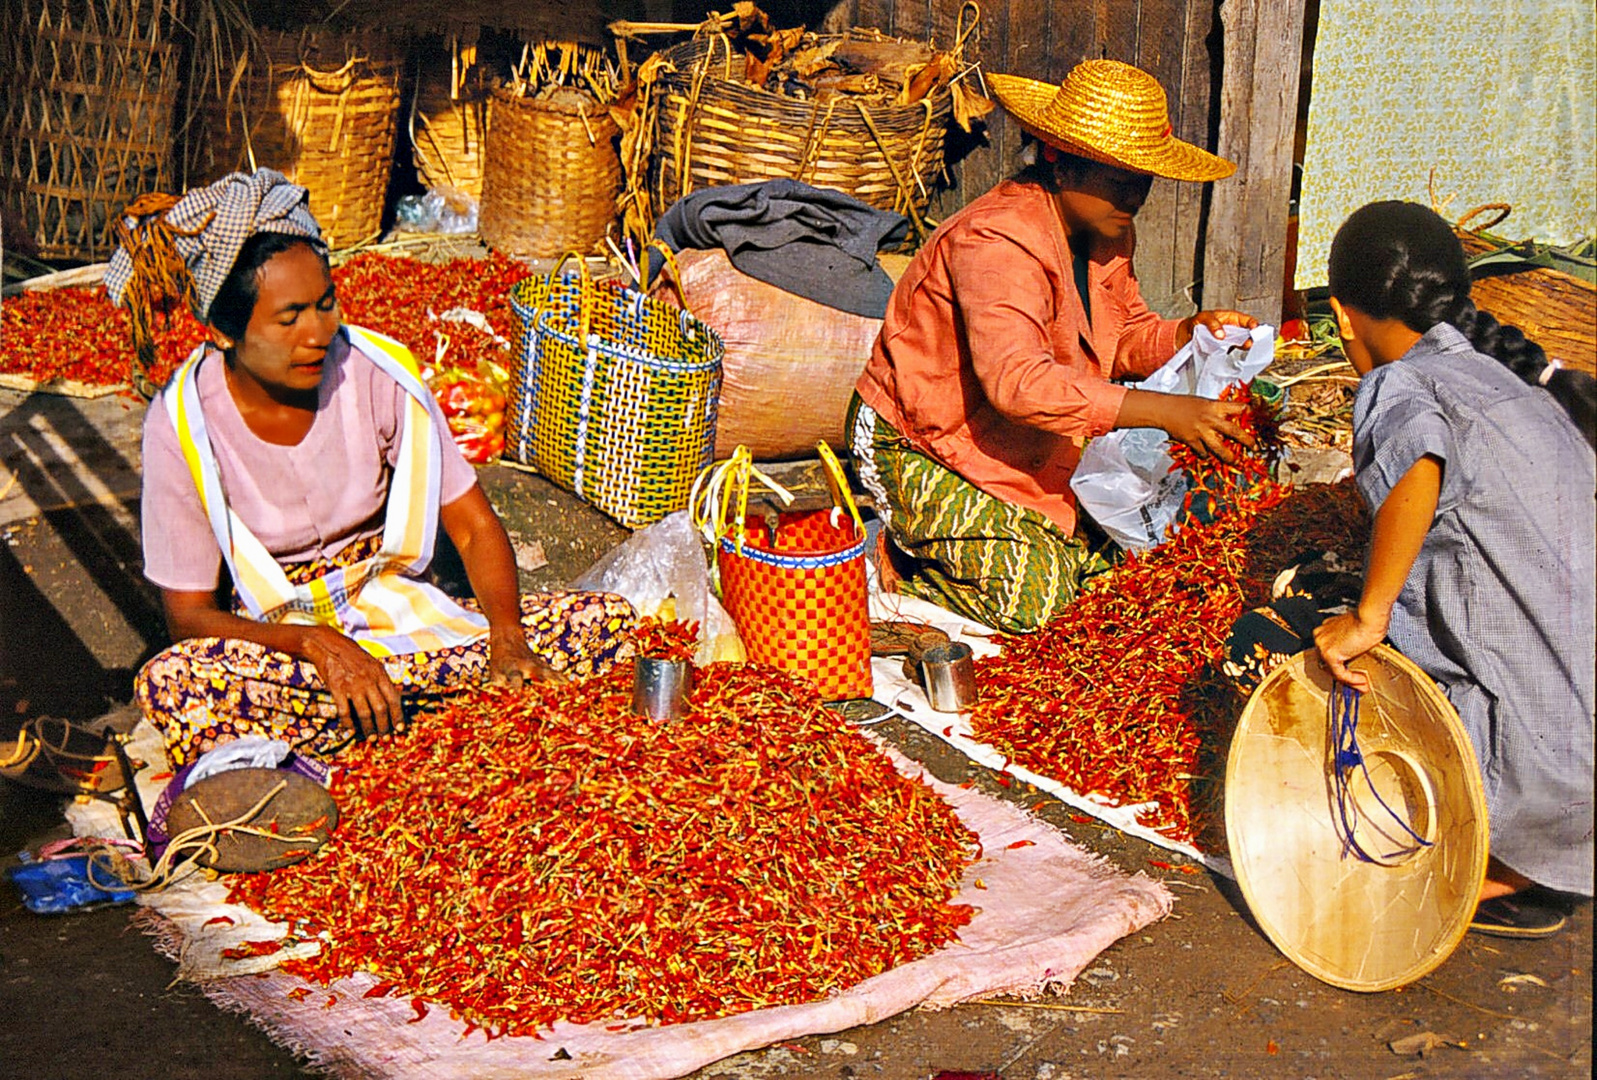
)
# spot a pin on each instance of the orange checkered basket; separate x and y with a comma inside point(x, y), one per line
point(797, 593)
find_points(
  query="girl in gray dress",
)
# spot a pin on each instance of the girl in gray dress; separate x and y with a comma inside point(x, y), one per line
point(1468, 446)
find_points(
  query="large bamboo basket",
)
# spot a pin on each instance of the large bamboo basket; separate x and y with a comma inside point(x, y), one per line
point(1356, 924)
point(1556, 310)
point(87, 97)
point(449, 127)
point(552, 173)
point(321, 107)
point(707, 126)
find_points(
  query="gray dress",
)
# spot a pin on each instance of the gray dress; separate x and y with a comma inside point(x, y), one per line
point(1499, 606)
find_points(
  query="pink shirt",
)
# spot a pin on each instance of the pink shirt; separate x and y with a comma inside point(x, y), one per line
point(986, 360)
point(303, 501)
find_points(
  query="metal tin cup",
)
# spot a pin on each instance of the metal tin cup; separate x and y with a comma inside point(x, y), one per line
point(660, 688)
point(949, 674)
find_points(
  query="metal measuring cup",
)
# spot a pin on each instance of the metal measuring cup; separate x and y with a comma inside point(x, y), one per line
point(660, 687)
point(948, 672)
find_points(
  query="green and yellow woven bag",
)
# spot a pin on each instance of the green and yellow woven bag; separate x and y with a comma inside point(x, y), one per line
point(613, 395)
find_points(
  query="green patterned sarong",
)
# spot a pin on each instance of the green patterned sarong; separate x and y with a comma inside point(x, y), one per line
point(1004, 565)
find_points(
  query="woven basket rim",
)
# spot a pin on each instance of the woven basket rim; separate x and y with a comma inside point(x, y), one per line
point(682, 56)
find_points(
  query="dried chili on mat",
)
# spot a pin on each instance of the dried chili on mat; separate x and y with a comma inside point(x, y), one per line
point(530, 856)
point(1117, 698)
point(75, 333)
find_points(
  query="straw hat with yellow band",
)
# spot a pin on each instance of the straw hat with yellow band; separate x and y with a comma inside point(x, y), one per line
point(1108, 112)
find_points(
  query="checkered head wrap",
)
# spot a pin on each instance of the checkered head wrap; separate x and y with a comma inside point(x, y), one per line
point(204, 232)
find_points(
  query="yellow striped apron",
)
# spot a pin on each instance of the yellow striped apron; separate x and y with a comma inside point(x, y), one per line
point(380, 602)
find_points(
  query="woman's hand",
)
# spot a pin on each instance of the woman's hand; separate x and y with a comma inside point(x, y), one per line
point(1207, 427)
point(1214, 321)
point(511, 663)
point(367, 699)
point(1344, 638)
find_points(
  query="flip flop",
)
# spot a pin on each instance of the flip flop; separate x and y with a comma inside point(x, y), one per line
point(1517, 916)
point(295, 818)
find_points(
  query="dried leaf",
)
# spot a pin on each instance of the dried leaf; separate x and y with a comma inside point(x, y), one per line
point(807, 62)
point(969, 104)
point(1513, 982)
point(1422, 1044)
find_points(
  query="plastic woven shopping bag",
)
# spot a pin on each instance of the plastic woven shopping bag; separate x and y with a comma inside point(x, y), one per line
point(613, 394)
point(794, 586)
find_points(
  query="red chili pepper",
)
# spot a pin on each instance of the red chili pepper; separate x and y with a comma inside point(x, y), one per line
point(531, 855)
point(1021, 844)
point(421, 1011)
point(221, 920)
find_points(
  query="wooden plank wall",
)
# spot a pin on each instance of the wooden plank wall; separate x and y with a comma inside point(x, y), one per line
point(1175, 40)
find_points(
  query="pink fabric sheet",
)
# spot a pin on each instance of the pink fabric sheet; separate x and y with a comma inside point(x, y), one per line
point(1047, 909)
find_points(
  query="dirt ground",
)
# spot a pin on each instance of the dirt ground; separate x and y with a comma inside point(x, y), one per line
point(1202, 994)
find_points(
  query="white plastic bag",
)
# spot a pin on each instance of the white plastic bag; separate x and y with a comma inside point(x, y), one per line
point(1124, 479)
point(663, 572)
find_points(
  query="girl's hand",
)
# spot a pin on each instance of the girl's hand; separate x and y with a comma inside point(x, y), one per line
point(1343, 638)
point(511, 663)
point(367, 699)
point(1213, 321)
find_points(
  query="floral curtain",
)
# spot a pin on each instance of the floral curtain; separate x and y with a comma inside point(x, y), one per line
point(1497, 99)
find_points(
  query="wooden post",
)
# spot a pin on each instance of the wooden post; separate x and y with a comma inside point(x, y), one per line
point(1244, 263)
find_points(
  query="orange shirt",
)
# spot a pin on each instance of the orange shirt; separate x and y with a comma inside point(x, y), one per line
point(986, 361)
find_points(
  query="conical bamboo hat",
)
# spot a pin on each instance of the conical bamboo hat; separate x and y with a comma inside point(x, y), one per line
point(1360, 925)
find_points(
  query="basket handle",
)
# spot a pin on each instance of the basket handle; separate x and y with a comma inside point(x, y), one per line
point(711, 499)
point(1499, 209)
point(670, 263)
point(842, 497)
point(585, 297)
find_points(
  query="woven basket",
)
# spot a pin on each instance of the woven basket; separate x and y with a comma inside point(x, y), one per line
point(87, 97)
point(612, 395)
point(1556, 310)
point(320, 107)
point(709, 127)
point(552, 173)
point(448, 134)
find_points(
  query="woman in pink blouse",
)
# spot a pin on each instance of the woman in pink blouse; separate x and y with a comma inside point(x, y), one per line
point(302, 466)
point(1000, 348)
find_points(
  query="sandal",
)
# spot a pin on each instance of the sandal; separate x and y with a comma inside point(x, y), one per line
point(1517, 916)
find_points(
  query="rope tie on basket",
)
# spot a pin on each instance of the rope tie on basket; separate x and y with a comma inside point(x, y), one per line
point(813, 138)
point(159, 271)
point(905, 191)
point(1344, 702)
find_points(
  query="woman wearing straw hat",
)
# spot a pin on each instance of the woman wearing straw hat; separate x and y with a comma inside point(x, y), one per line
point(303, 462)
point(997, 357)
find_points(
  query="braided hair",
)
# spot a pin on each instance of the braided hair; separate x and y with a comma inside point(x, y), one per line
point(1401, 260)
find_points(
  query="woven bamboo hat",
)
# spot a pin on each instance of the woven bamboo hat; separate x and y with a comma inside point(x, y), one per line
point(1360, 858)
point(1109, 112)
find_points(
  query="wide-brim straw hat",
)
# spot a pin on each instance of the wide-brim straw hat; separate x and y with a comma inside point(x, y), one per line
point(1352, 923)
point(1109, 112)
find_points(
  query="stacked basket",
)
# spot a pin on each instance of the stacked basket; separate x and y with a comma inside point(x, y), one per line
point(87, 96)
point(552, 173)
point(321, 107)
point(449, 125)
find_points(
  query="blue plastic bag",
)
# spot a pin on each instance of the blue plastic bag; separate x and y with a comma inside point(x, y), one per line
point(54, 886)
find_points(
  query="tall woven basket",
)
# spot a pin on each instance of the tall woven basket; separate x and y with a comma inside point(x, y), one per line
point(87, 97)
point(552, 174)
point(707, 126)
point(321, 107)
point(449, 127)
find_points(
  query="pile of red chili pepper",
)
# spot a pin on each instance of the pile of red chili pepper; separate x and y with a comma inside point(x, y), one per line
point(1120, 697)
point(526, 856)
point(76, 334)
